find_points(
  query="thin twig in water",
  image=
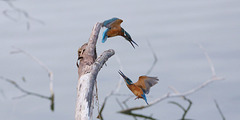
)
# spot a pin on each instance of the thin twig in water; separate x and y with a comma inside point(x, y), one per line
point(2, 93)
point(23, 90)
point(184, 98)
point(21, 96)
point(119, 103)
point(45, 67)
point(209, 60)
point(219, 110)
point(184, 110)
point(140, 116)
point(126, 100)
point(118, 94)
point(120, 78)
point(20, 13)
point(154, 56)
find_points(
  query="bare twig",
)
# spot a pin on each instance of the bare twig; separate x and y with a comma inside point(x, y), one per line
point(23, 90)
point(177, 104)
point(139, 115)
point(184, 98)
point(154, 56)
point(103, 106)
point(219, 110)
point(120, 81)
point(2, 92)
point(209, 61)
point(188, 108)
point(126, 100)
point(21, 96)
point(119, 94)
point(119, 103)
point(20, 12)
point(45, 67)
point(184, 110)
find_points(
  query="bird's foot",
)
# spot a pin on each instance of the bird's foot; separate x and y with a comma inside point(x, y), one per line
point(136, 98)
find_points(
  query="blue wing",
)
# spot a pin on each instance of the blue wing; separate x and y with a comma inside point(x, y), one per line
point(144, 97)
point(127, 80)
point(105, 35)
point(107, 23)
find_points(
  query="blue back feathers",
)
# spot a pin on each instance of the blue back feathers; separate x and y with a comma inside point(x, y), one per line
point(128, 81)
point(107, 22)
point(127, 36)
point(144, 97)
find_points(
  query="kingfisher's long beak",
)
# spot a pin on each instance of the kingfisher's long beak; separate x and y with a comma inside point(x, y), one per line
point(121, 73)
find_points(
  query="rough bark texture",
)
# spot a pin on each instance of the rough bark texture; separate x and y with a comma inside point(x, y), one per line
point(88, 69)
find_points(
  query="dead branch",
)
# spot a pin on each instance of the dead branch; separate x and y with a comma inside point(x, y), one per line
point(44, 66)
point(88, 70)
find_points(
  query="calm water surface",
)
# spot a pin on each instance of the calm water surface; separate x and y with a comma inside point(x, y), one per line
point(174, 28)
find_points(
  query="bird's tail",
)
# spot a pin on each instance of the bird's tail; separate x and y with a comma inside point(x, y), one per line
point(127, 80)
point(145, 98)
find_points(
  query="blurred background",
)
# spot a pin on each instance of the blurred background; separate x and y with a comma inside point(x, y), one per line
point(53, 31)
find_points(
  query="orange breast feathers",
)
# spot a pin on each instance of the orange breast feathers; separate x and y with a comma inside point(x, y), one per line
point(136, 90)
point(115, 29)
point(114, 32)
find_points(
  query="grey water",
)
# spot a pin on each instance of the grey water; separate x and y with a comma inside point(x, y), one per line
point(174, 28)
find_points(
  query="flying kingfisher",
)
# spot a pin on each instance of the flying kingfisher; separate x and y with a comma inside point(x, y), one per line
point(114, 29)
point(141, 87)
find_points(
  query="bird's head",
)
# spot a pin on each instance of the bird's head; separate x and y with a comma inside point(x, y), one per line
point(127, 80)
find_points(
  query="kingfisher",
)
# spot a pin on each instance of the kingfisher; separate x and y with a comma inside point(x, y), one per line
point(114, 29)
point(141, 87)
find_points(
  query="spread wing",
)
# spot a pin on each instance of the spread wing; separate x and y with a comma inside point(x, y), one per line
point(114, 22)
point(146, 82)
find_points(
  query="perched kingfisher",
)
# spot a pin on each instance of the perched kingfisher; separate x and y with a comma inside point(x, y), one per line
point(141, 87)
point(114, 29)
